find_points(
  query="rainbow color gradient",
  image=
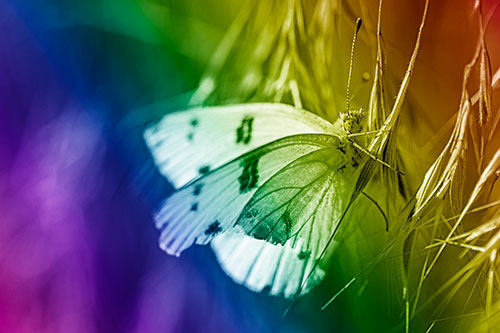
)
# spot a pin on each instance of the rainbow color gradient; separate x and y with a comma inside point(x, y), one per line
point(82, 83)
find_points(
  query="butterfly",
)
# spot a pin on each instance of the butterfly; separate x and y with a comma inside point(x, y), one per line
point(266, 184)
point(270, 210)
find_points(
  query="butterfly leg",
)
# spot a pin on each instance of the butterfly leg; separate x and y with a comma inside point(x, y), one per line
point(369, 154)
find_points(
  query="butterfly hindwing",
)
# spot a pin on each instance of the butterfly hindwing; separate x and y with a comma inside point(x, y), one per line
point(292, 217)
point(276, 269)
point(187, 144)
point(283, 205)
point(212, 203)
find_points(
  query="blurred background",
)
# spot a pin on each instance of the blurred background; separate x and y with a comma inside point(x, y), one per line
point(78, 246)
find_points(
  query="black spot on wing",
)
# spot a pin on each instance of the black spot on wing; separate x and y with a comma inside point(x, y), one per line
point(248, 214)
point(304, 254)
point(213, 229)
point(266, 290)
point(204, 169)
point(194, 122)
point(276, 231)
point(244, 131)
point(197, 189)
point(282, 229)
point(190, 136)
point(249, 178)
point(251, 213)
point(288, 223)
point(194, 207)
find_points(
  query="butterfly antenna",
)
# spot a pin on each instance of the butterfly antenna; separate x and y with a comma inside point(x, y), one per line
point(348, 98)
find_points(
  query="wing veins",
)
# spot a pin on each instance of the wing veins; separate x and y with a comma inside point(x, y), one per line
point(279, 207)
point(273, 146)
point(272, 192)
point(313, 214)
point(289, 202)
point(315, 209)
point(326, 188)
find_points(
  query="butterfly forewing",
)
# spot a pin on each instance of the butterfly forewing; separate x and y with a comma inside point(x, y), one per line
point(303, 201)
point(212, 203)
point(187, 144)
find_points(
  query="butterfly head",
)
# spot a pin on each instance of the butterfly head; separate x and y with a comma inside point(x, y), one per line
point(352, 121)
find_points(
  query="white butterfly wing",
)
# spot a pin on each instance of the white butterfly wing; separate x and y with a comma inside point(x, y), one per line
point(212, 203)
point(185, 143)
point(261, 266)
point(291, 218)
point(188, 143)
